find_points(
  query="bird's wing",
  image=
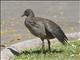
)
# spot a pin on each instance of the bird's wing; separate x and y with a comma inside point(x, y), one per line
point(56, 31)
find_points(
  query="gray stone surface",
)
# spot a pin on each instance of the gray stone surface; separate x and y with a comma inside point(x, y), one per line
point(7, 54)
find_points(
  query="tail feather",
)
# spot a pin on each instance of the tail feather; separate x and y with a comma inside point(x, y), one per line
point(59, 34)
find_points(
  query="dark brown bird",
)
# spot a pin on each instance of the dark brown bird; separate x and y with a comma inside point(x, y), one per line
point(43, 28)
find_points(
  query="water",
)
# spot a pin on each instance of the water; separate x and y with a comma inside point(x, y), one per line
point(65, 14)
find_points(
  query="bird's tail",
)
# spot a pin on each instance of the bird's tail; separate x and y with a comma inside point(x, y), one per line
point(59, 34)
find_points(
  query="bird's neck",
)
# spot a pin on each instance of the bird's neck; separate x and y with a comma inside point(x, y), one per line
point(31, 15)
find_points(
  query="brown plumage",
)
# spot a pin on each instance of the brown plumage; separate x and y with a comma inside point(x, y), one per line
point(43, 28)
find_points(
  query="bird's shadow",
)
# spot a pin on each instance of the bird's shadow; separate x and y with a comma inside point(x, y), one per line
point(40, 51)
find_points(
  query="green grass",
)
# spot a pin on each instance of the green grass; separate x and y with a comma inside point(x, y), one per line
point(59, 52)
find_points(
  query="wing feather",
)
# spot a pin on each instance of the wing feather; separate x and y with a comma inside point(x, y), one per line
point(56, 31)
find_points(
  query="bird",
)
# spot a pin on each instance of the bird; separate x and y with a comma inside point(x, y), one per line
point(43, 28)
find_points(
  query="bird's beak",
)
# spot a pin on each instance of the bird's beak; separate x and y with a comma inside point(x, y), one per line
point(22, 15)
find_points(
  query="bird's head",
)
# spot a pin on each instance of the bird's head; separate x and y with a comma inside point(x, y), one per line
point(28, 12)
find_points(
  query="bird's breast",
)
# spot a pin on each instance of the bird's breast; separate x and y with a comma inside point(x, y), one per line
point(36, 29)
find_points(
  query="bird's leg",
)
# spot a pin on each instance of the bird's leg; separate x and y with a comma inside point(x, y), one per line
point(49, 45)
point(43, 48)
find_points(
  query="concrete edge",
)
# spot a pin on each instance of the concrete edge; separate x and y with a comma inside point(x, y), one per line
point(15, 49)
